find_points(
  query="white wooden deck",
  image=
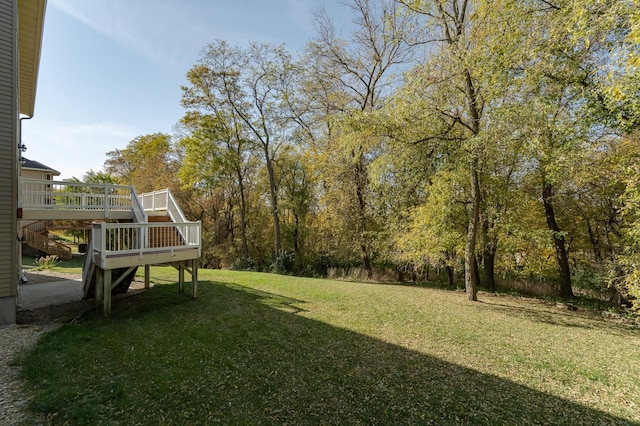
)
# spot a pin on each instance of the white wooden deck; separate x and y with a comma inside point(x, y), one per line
point(116, 245)
point(119, 245)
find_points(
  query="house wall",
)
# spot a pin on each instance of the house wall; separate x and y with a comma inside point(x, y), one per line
point(36, 174)
point(8, 160)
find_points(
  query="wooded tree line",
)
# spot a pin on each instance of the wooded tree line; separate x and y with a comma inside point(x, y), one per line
point(484, 139)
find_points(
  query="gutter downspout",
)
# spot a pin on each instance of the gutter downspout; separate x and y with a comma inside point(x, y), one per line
point(21, 276)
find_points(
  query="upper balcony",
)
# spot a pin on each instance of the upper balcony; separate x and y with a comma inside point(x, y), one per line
point(60, 200)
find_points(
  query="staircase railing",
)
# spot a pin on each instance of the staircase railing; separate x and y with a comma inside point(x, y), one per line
point(34, 237)
point(37, 226)
point(138, 210)
point(162, 200)
point(139, 216)
point(88, 268)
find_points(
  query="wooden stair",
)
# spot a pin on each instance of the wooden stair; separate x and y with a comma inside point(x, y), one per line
point(36, 237)
point(116, 274)
point(163, 236)
point(89, 275)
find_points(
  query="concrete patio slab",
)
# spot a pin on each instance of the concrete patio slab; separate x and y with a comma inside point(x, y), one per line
point(36, 296)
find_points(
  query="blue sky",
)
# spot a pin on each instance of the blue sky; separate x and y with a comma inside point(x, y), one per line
point(111, 70)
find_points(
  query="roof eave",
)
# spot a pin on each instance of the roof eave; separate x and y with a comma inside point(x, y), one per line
point(30, 29)
point(50, 171)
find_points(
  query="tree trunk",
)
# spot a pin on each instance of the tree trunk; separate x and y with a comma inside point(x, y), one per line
point(297, 264)
point(489, 259)
point(449, 270)
point(243, 219)
point(274, 201)
point(489, 255)
point(559, 241)
point(361, 181)
point(470, 277)
point(595, 243)
point(476, 269)
point(296, 235)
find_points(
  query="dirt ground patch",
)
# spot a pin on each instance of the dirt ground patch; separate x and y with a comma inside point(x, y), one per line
point(59, 313)
point(68, 311)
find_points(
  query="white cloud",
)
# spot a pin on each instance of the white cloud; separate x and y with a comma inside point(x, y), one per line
point(74, 148)
point(159, 29)
point(173, 32)
point(301, 12)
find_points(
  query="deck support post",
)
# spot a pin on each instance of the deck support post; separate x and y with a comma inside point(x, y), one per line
point(180, 278)
point(106, 308)
point(183, 266)
point(103, 290)
point(147, 276)
point(99, 287)
point(194, 278)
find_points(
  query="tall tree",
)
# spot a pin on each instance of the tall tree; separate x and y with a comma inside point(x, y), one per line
point(297, 202)
point(559, 73)
point(353, 76)
point(216, 154)
point(147, 163)
point(453, 84)
point(247, 84)
point(627, 279)
point(615, 26)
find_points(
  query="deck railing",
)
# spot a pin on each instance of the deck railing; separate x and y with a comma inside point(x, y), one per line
point(61, 195)
point(115, 239)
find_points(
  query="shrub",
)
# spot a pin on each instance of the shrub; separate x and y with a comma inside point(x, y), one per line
point(282, 263)
point(590, 280)
point(46, 262)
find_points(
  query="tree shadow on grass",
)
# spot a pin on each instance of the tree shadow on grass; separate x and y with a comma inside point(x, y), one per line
point(241, 356)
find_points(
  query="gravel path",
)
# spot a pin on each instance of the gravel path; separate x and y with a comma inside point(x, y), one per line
point(16, 338)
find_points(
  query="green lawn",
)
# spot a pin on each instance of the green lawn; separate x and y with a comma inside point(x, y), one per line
point(267, 349)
